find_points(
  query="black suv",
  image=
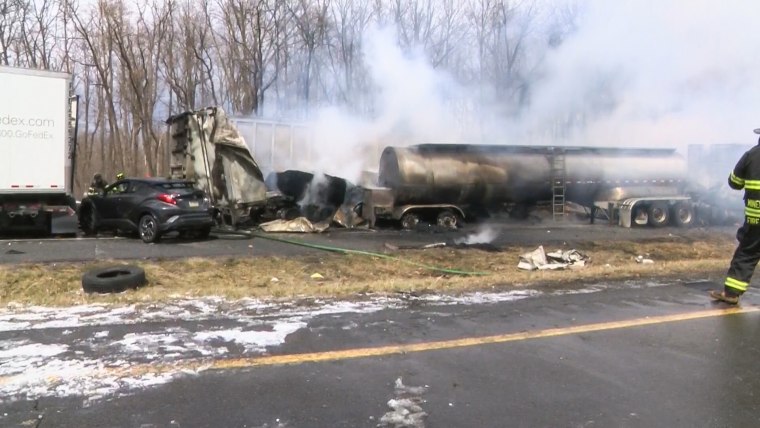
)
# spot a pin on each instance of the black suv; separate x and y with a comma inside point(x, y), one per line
point(149, 206)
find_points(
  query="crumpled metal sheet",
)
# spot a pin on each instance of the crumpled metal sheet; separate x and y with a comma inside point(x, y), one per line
point(538, 259)
point(300, 225)
point(215, 155)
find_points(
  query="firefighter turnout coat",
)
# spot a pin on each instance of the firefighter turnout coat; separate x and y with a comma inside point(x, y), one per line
point(746, 175)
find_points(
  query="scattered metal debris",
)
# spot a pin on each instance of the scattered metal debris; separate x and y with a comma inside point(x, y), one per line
point(644, 260)
point(538, 259)
point(300, 224)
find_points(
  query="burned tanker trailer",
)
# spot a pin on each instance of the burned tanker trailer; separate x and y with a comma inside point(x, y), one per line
point(448, 183)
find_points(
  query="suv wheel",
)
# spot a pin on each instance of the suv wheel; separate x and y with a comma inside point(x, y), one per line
point(88, 220)
point(203, 233)
point(148, 228)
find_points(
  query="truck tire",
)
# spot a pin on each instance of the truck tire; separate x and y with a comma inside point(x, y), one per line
point(409, 221)
point(147, 228)
point(448, 219)
point(683, 214)
point(659, 214)
point(640, 216)
point(88, 219)
point(113, 279)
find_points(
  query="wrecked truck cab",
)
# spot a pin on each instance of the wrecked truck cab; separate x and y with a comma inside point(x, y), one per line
point(207, 148)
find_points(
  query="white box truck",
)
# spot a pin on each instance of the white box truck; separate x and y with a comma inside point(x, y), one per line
point(37, 147)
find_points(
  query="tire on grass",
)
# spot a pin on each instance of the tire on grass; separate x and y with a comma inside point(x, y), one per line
point(113, 279)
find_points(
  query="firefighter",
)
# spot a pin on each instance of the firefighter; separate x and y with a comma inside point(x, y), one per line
point(98, 185)
point(746, 175)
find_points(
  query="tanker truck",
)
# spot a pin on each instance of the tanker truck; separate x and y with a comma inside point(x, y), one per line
point(446, 183)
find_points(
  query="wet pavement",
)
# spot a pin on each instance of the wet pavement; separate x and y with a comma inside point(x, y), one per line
point(628, 354)
point(31, 250)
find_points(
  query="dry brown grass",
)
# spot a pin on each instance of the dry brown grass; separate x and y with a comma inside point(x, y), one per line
point(349, 275)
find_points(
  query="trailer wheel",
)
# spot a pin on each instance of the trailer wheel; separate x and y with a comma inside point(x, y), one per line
point(683, 214)
point(409, 221)
point(88, 219)
point(113, 279)
point(640, 215)
point(659, 214)
point(448, 219)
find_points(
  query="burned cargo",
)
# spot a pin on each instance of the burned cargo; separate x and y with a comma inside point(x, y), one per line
point(318, 196)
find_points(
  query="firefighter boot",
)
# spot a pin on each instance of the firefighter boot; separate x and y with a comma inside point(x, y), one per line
point(725, 296)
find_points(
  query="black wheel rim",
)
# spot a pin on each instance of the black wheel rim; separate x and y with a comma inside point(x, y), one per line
point(147, 228)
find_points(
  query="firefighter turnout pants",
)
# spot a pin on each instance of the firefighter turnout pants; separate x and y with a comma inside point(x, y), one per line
point(745, 259)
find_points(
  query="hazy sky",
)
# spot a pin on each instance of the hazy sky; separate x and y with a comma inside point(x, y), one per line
point(676, 72)
point(634, 74)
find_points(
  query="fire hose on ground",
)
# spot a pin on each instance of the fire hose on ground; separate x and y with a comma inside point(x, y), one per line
point(369, 254)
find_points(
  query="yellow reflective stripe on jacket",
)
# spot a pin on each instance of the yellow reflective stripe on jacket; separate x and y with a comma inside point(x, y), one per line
point(752, 184)
point(752, 212)
point(735, 283)
point(736, 180)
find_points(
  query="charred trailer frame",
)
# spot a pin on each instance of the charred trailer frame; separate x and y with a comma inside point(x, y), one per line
point(449, 182)
point(208, 149)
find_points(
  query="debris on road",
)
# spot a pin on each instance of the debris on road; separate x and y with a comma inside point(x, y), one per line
point(317, 276)
point(644, 260)
point(300, 224)
point(406, 410)
point(478, 246)
point(538, 259)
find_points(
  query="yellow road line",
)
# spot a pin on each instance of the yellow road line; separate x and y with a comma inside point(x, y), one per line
point(313, 357)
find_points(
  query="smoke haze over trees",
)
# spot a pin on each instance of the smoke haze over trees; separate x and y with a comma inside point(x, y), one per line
point(368, 73)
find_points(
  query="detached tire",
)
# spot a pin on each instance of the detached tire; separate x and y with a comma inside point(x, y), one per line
point(113, 279)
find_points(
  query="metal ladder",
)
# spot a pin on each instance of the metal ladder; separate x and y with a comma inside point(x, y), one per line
point(558, 177)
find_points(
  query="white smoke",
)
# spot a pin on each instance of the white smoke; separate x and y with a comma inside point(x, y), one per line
point(652, 73)
point(485, 234)
point(410, 108)
point(633, 74)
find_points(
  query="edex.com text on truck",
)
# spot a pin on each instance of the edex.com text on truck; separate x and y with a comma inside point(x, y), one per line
point(9, 125)
point(31, 121)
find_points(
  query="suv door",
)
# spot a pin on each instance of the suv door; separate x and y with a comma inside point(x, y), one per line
point(107, 205)
point(130, 200)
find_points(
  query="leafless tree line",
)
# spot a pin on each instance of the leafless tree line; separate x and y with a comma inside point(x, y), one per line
point(136, 62)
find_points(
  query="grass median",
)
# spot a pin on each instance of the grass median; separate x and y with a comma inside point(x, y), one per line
point(346, 276)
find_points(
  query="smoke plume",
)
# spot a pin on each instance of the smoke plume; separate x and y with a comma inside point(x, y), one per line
point(631, 74)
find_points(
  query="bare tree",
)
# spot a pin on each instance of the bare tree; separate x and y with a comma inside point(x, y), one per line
point(344, 45)
point(247, 40)
point(188, 62)
point(310, 20)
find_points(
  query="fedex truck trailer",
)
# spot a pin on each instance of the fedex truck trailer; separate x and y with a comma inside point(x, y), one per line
point(37, 146)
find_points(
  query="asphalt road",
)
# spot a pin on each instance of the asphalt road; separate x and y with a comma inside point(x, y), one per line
point(633, 354)
point(29, 249)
